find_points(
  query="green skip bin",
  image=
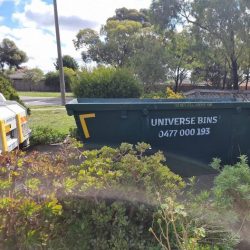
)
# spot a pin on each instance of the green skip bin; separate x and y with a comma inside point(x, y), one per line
point(189, 132)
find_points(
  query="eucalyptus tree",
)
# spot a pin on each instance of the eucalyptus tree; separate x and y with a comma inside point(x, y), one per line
point(113, 45)
point(11, 55)
point(224, 22)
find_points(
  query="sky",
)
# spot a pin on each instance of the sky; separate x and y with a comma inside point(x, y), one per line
point(30, 24)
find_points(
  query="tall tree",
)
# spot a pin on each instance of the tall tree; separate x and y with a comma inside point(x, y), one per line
point(245, 65)
point(11, 55)
point(180, 51)
point(225, 21)
point(212, 65)
point(68, 62)
point(117, 46)
point(141, 16)
point(149, 59)
point(165, 14)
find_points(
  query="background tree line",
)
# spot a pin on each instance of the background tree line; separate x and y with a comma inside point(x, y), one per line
point(175, 39)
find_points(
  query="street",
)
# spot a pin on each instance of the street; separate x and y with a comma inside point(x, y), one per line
point(43, 101)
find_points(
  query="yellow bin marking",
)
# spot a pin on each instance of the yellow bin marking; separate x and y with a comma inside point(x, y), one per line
point(3, 136)
point(19, 128)
point(7, 128)
point(84, 124)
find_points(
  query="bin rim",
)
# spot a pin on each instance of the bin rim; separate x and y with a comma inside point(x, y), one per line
point(126, 101)
point(82, 105)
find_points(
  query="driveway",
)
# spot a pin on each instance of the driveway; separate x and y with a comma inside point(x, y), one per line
point(43, 101)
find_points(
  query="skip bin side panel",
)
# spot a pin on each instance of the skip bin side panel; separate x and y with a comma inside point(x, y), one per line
point(109, 127)
point(240, 134)
point(193, 134)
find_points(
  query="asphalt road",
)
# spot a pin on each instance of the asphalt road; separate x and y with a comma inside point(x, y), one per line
point(43, 101)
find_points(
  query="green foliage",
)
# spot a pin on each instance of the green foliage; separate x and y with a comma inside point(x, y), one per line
point(34, 75)
point(106, 83)
point(102, 199)
point(169, 94)
point(180, 57)
point(99, 199)
point(226, 23)
point(141, 16)
point(219, 25)
point(46, 135)
point(149, 57)
point(117, 47)
point(8, 91)
point(173, 95)
point(68, 62)
point(177, 231)
point(232, 186)
point(164, 14)
point(192, 221)
point(11, 55)
point(52, 79)
point(29, 210)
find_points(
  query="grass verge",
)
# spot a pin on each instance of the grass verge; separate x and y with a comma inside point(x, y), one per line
point(53, 118)
point(42, 94)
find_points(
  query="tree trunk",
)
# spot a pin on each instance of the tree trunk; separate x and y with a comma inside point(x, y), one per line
point(224, 80)
point(247, 78)
point(176, 85)
point(234, 73)
point(177, 80)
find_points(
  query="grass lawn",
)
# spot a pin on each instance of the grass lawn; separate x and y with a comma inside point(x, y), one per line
point(42, 94)
point(55, 117)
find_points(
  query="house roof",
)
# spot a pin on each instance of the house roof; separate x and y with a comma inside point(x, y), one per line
point(17, 76)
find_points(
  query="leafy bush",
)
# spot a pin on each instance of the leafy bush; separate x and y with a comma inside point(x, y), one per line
point(172, 95)
point(46, 135)
point(29, 209)
point(52, 79)
point(169, 94)
point(177, 230)
point(185, 225)
point(99, 199)
point(8, 91)
point(231, 192)
point(107, 83)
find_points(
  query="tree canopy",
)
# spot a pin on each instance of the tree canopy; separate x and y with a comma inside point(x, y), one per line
point(173, 39)
point(68, 62)
point(11, 55)
point(141, 16)
point(224, 24)
point(34, 75)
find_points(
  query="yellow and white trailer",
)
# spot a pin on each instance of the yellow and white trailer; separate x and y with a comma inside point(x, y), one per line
point(14, 130)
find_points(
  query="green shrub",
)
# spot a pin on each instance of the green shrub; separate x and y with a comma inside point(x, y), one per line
point(99, 199)
point(96, 199)
point(52, 79)
point(45, 135)
point(184, 225)
point(177, 230)
point(107, 83)
point(8, 91)
point(232, 186)
point(169, 94)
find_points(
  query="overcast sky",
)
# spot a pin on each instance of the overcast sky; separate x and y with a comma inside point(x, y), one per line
point(30, 24)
